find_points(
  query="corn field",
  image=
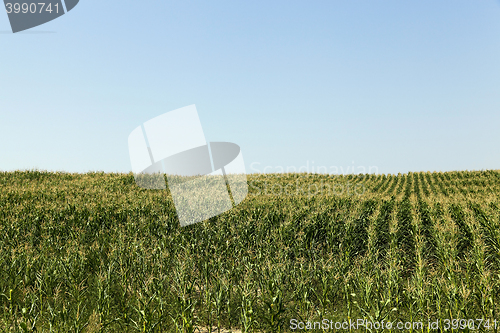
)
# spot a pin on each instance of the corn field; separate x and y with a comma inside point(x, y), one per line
point(95, 253)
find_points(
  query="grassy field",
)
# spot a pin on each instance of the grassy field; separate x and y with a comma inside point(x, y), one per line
point(95, 253)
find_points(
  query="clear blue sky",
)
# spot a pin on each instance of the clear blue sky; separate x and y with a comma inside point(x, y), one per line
point(399, 85)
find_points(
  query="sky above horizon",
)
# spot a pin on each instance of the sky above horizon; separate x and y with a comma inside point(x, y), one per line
point(336, 86)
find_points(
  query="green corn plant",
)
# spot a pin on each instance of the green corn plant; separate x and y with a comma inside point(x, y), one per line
point(217, 301)
point(185, 303)
point(247, 308)
point(273, 306)
point(77, 250)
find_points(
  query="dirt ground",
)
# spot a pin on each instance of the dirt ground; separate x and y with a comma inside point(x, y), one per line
point(214, 330)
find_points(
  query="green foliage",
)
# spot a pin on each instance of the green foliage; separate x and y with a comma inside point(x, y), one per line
point(95, 253)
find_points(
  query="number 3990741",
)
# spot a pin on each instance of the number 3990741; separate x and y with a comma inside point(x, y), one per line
point(32, 8)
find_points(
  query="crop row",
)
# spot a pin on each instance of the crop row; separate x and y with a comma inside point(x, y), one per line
point(95, 253)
